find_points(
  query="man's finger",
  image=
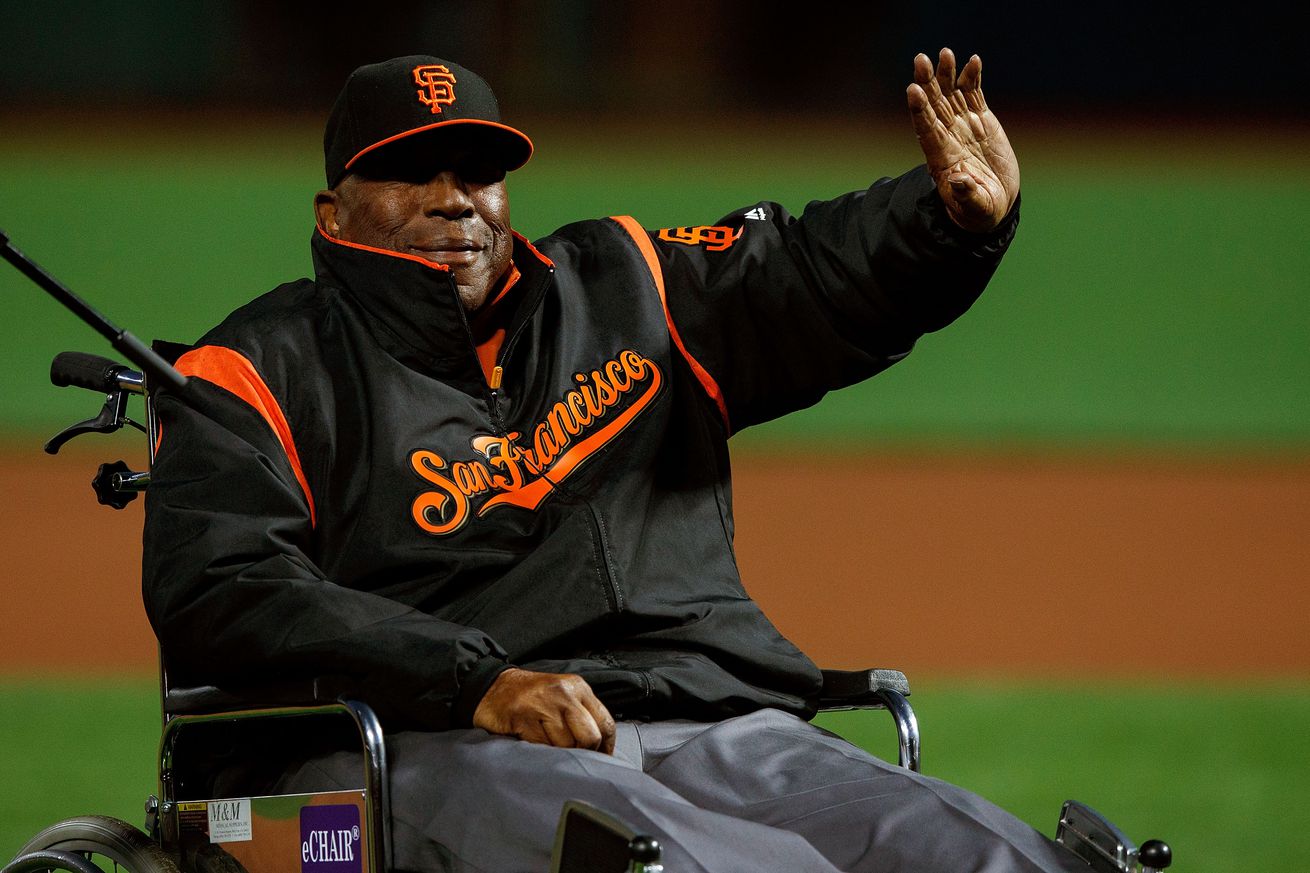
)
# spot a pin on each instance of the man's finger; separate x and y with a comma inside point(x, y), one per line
point(926, 79)
point(582, 725)
point(962, 183)
point(971, 86)
point(922, 69)
point(973, 98)
point(556, 732)
point(971, 75)
point(946, 71)
point(604, 722)
point(927, 126)
point(970, 202)
point(920, 108)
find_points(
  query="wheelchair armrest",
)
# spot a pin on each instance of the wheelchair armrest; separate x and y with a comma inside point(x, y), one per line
point(858, 689)
point(208, 699)
point(876, 689)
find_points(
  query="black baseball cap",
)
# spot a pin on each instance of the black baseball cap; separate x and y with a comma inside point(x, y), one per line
point(424, 101)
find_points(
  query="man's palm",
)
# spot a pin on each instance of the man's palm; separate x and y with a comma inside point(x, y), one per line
point(965, 147)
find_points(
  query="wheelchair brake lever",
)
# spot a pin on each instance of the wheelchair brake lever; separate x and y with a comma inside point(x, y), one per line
point(113, 415)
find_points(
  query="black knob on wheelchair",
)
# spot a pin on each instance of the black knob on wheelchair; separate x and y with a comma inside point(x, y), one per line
point(107, 489)
point(1155, 854)
point(645, 850)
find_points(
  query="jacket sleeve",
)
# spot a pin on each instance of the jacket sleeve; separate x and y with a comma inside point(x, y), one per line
point(235, 597)
point(773, 311)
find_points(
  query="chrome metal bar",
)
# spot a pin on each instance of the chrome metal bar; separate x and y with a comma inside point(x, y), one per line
point(131, 381)
point(131, 482)
point(907, 726)
point(152, 428)
point(379, 787)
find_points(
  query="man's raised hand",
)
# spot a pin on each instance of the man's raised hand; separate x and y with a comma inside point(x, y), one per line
point(966, 149)
point(554, 709)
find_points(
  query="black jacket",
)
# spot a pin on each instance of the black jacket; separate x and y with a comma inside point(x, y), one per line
point(344, 494)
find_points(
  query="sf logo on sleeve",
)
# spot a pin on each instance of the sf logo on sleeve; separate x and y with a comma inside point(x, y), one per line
point(436, 86)
point(715, 239)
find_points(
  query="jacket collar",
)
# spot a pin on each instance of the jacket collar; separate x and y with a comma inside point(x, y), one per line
point(415, 303)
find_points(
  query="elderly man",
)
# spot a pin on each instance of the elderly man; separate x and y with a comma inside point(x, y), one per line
point(486, 480)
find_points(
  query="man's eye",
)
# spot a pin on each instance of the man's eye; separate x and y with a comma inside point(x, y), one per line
point(481, 172)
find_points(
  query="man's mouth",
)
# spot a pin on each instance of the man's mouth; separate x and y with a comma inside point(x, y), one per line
point(452, 252)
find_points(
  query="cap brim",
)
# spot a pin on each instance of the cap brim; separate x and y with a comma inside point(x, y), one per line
point(511, 147)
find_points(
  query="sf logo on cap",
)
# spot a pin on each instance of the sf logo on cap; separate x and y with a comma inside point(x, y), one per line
point(436, 86)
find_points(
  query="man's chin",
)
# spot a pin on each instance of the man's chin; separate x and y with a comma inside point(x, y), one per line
point(472, 291)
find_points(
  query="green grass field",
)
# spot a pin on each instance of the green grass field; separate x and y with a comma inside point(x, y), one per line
point(1219, 773)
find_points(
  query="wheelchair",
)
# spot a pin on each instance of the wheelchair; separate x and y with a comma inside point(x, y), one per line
point(193, 826)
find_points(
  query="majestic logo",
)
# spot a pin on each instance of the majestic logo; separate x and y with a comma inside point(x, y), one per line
point(436, 86)
point(329, 839)
point(715, 239)
point(577, 427)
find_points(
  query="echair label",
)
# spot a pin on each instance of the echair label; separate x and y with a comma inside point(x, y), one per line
point(330, 839)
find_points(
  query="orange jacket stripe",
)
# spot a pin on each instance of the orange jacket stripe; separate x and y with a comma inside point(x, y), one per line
point(424, 261)
point(415, 258)
point(488, 344)
point(521, 238)
point(642, 239)
point(233, 372)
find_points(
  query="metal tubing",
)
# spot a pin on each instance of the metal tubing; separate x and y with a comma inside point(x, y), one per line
point(131, 380)
point(131, 483)
point(907, 726)
point(379, 786)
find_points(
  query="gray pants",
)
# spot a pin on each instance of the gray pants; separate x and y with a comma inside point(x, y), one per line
point(762, 792)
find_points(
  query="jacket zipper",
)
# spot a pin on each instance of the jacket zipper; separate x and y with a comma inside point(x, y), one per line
point(498, 373)
point(598, 528)
point(497, 423)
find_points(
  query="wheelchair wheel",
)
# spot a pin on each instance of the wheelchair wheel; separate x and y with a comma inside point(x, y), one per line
point(95, 842)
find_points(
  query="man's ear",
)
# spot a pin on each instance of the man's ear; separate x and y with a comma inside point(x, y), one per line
point(327, 209)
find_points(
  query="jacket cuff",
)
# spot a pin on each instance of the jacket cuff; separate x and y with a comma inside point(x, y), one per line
point(472, 688)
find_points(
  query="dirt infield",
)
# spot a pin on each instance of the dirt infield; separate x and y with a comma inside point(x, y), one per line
point(936, 565)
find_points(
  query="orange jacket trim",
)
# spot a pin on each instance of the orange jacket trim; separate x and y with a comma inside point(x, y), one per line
point(377, 251)
point(521, 238)
point(647, 248)
point(234, 373)
point(424, 261)
point(488, 345)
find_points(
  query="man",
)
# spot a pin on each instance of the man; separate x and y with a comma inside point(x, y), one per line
point(486, 481)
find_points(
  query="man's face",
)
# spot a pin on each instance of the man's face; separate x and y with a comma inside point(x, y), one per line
point(452, 211)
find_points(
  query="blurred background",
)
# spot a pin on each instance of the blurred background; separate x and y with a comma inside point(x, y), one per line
point(1076, 517)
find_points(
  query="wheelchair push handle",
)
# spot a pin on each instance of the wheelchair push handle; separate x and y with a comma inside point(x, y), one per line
point(115, 484)
point(94, 373)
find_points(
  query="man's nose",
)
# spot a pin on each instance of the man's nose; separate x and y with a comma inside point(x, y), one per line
point(447, 195)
